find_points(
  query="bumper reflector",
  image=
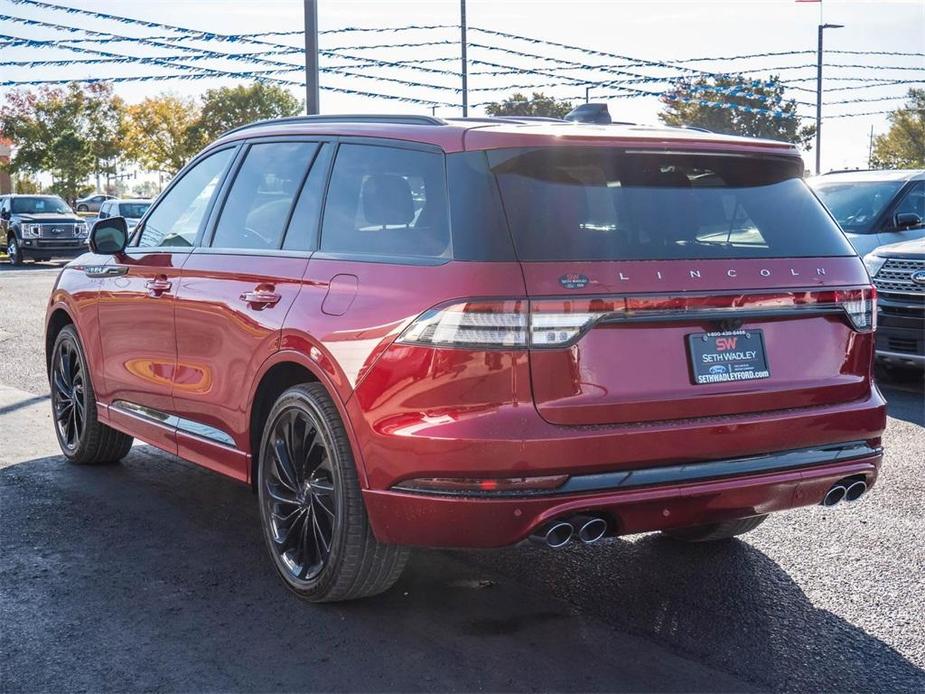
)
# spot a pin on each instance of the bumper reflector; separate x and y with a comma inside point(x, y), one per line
point(489, 486)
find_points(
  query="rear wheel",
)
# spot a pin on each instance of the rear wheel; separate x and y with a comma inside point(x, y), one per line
point(311, 508)
point(83, 208)
point(715, 531)
point(13, 251)
point(84, 440)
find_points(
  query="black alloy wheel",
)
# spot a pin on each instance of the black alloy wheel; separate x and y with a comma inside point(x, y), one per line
point(69, 397)
point(312, 511)
point(300, 493)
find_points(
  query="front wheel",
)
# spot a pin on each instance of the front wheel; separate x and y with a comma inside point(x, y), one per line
point(84, 440)
point(311, 508)
point(716, 531)
point(83, 208)
point(13, 251)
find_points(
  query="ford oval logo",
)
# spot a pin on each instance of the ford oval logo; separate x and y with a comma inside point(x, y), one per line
point(918, 277)
point(718, 369)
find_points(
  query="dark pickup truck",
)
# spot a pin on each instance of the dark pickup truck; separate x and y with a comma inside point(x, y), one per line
point(40, 227)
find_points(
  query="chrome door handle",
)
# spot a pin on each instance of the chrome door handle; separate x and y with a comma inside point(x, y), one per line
point(261, 298)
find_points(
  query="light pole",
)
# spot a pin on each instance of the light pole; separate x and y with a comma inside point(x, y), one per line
point(312, 105)
point(465, 69)
point(587, 93)
point(822, 28)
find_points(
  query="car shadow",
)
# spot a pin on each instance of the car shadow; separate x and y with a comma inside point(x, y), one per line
point(725, 604)
point(151, 574)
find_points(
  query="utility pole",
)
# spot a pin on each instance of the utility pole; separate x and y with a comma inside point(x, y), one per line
point(870, 148)
point(465, 64)
point(312, 106)
point(822, 28)
point(587, 93)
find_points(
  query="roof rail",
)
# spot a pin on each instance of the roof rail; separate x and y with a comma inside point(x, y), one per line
point(344, 118)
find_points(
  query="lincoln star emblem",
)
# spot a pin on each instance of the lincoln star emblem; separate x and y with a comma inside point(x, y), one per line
point(918, 276)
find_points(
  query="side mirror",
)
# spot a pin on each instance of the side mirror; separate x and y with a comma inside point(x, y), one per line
point(907, 220)
point(5, 214)
point(109, 236)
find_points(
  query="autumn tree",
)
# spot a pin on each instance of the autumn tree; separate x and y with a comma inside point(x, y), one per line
point(702, 102)
point(53, 129)
point(228, 107)
point(537, 105)
point(159, 133)
point(903, 146)
point(106, 126)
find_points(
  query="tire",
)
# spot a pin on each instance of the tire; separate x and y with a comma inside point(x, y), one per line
point(307, 483)
point(13, 250)
point(716, 531)
point(83, 208)
point(83, 439)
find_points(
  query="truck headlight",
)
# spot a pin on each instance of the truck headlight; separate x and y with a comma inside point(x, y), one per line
point(80, 229)
point(31, 230)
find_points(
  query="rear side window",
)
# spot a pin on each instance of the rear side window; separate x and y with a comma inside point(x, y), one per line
point(303, 227)
point(607, 204)
point(388, 202)
point(257, 208)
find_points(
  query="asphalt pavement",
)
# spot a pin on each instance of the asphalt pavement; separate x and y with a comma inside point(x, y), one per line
point(151, 575)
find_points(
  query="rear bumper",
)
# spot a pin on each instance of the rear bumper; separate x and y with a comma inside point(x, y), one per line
point(443, 521)
point(662, 495)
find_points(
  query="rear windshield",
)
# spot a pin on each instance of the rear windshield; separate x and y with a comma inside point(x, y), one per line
point(133, 210)
point(607, 204)
point(858, 204)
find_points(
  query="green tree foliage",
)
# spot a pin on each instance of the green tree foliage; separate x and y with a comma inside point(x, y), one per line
point(903, 146)
point(159, 135)
point(64, 131)
point(684, 106)
point(537, 105)
point(229, 107)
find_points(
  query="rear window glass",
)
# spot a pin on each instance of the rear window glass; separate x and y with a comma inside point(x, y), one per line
point(607, 204)
point(386, 201)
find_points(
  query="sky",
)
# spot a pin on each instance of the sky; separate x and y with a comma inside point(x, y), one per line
point(656, 31)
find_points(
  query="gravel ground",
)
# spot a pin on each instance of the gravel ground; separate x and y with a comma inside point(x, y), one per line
point(151, 575)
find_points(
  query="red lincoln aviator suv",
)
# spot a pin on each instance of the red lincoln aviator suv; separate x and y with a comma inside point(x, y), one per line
point(410, 331)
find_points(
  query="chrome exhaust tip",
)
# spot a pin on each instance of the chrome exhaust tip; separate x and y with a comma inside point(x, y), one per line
point(856, 491)
point(590, 528)
point(555, 535)
point(834, 495)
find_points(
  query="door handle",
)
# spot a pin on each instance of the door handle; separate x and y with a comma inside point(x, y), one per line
point(158, 286)
point(261, 298)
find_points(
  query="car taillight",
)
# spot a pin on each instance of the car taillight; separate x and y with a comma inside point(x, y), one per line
point(485, 486)
point(480, 324)
point(554, 323)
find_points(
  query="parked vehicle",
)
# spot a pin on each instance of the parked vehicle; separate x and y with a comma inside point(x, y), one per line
point(92, 203)
point(40, 227)
point(466, 333)
point(898, 272)
point(133, 209)
point(875, 208)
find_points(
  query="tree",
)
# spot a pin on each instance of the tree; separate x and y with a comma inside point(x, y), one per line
point(228, 107)
point(159, 133)
point(537, 105)
point(903, 146)
point(699, 102)
point(25, 185)
point(50, 128)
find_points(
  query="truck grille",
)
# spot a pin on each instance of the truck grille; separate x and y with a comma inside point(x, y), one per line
point(895, 277)
point(57, 231)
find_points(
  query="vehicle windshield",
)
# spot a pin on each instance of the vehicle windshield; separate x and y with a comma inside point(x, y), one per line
point(133, 210)
point(607, 204)
point(39, 205)
point(857, 205)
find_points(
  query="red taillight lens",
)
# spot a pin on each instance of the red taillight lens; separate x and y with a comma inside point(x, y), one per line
point(551, 323)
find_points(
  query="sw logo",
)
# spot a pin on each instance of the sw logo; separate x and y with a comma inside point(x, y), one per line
point(726, 343)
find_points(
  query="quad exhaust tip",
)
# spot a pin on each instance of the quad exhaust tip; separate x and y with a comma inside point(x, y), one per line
point(845, 490)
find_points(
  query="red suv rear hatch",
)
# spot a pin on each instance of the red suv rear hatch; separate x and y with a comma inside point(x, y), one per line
point(673, 285)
